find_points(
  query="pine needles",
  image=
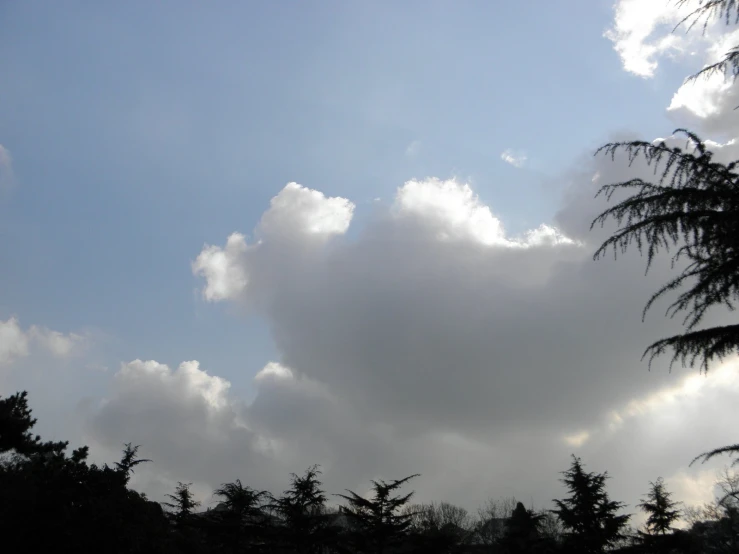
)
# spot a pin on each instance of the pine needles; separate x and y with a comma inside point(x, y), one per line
point(693, 207)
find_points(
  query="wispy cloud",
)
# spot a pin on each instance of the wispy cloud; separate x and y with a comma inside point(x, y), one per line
point(513, 157)
point(6, 169)
point(413, 148)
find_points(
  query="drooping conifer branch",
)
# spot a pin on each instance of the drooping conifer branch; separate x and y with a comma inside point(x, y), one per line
point(693, 208)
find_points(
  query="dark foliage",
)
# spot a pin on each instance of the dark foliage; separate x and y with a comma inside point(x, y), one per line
point(693, 207)
point(523, 533)
point(306, 525)
point(15, 428)
point(53, 502)
point(378, 525)
point(661, 510)
point(705, 10)
point(588, 515)
point(440, 528)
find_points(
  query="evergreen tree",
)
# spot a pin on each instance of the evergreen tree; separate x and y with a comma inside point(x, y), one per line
point(129, 460)
point(588, 515)
point(726, 10)
point(183, 502)
point(302, 509)
point(523, 532)
point(692, 206)
point(238, 522)
point(15, 429)
point(661, 510)
point(378, 525)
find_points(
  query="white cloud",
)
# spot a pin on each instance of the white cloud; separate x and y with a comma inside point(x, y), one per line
point(13, 341)
point(452, 208)
point(644, 33)
point(300, 211)
point(297, 215)
point(57, 344)
point(641, 33)
point(225, 277)
point(274, 370)
point(431, 341)
point(516, 159)
point(432, 322)
point(709, 102)
point(16, 343)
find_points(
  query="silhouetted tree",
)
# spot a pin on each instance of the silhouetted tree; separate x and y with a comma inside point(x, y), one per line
point(439, 528)
point(378, 524)
point(491, 518)
point(693, 206)
point(15, 428)
point(661, 510)
point(49, 501)
point(727, 10)
point(238, 522)
point(306, 523)
point(588, 515)
point(129, 460)
point(523, 533)
point(183, 502)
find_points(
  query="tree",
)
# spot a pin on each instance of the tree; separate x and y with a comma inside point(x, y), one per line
point(523, 532)
point(721, 9)
point(378, 524)
point(491, 518)
point(441, 527)
point(302, 508)
point(238, 521)
point(183, 502)
point(129, 460)
point(15, 428)
point(661, 510)
point(692, 206)
point(51, 501)
point(588, 515)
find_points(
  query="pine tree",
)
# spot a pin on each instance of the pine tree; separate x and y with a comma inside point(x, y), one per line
point(129, 460)
point(692, 206)
point(727, 10)
point(522, 531)
point(183, 502)
point(588, 515)
point(378, 524)
point(661, 509)
point(240, 521)
point(16, 423)
point(302, 509)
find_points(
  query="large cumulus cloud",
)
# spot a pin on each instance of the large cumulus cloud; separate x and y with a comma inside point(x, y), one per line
point(430, 340)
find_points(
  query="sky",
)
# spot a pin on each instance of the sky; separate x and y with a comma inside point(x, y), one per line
point(258, 236)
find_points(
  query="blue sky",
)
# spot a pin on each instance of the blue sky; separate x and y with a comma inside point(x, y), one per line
point(140, 131)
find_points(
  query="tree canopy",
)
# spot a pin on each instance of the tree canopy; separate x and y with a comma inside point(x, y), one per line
point(588, 515)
